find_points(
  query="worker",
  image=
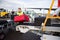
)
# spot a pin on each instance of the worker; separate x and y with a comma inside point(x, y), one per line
point(12, 14)
point(19, 12)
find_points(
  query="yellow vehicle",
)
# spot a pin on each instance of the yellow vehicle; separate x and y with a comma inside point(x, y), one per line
point(3, 13)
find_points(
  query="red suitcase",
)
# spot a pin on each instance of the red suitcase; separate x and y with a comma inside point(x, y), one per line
point(21, 18)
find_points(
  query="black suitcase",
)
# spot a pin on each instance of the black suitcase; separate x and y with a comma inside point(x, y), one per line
point(39, 20)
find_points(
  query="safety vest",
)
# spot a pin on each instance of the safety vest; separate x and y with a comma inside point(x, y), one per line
point(19, 13)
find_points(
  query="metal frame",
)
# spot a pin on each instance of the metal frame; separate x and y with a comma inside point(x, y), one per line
point(48, 16)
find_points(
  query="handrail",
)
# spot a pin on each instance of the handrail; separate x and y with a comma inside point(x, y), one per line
point(48, 14)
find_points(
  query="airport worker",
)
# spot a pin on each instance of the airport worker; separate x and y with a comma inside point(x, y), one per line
point(19, 12)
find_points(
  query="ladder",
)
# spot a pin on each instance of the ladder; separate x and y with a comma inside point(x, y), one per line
point(48, 17)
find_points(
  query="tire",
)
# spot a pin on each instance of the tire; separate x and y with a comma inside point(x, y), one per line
point(2, 36)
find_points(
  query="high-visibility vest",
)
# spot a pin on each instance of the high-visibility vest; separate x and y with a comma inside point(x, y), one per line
point(19, 13)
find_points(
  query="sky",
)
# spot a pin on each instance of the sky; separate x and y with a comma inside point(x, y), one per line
point(14, 4)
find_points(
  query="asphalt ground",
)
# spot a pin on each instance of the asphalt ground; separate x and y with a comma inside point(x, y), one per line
point(13, 35)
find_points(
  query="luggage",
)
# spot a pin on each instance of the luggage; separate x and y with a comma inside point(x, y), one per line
point(39, 20)
point(26, 18)
point(21, 18)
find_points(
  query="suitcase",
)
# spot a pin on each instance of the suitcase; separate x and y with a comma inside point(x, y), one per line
point(39, 20)
point(21, 18)
point(26, 18)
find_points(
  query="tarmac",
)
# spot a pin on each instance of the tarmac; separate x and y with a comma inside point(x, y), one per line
point(13, 35)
